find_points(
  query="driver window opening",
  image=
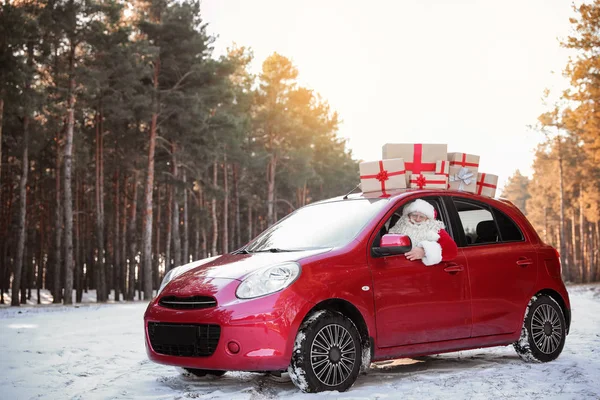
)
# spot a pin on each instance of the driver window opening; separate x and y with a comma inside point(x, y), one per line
point(398, 213)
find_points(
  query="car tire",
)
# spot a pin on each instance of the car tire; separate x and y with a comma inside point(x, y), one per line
point(544, 331)
point(203, 372)
point(327, 353)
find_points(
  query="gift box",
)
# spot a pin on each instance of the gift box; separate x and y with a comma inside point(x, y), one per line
point(487, 184)
point(417, 157)
point(463, 171)
point(379, 176)
point(464, 160)
point(428, 181)
point(463, 178)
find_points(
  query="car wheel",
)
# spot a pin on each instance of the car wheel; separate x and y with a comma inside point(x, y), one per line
point(327, 353)
point(203, 372)
point(544, 331)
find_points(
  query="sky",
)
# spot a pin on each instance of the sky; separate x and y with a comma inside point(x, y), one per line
point(467, 73)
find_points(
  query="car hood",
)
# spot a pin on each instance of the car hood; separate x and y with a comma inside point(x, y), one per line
point(238, 266)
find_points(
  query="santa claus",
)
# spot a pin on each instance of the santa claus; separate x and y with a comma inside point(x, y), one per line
point(431, 243)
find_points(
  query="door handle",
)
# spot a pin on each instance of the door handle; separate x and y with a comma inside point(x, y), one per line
point(454, 268)
point(524, 261)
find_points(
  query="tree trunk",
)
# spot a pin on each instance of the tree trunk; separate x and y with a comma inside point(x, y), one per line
point(250, 230)
point(147, 236)
point(225, 241)
point(58, 229)
point(78, 254)
point(582, 257)
point(175, 210)
point(236, 193)
point(204, 243)
point(123, 244)
point(21, 228)
point(597, 252)
point(573, 259)
point(186, 229)
point(117, 240)
point(1, 122)
point(271, 168)
point(155, 264)
point(168, 264)
point(132, 240)
point(68, 294)
point(213, 209)
point(101, 296)
point(197, 250)
point(563, 246)
point(40, 256)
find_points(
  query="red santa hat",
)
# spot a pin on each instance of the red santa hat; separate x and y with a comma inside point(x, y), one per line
point(420, 206)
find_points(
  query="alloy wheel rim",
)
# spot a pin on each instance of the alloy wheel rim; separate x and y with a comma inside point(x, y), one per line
point(332, 355)
point(546, 329)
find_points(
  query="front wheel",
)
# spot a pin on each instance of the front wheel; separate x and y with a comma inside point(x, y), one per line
point(544, 331)
point(327, 353)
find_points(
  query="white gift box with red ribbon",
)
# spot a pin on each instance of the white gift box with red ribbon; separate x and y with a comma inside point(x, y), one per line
point(383, 175)
point(463, 172)
point(428, 181)
point(487, 184)
point(418, 157)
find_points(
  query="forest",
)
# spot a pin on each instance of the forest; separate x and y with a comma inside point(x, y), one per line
point(562, 199)
point(128, 147)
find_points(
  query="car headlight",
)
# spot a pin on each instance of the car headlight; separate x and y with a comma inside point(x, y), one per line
point(268, 280)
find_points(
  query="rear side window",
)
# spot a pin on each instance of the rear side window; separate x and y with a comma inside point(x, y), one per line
point(509, 231)
point(484, 225)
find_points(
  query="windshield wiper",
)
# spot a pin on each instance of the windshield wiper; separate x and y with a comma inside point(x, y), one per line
point(272, 250)
point(241, 251)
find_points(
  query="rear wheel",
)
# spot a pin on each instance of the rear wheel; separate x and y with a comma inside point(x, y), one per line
point(544, 331)
point(327, 353)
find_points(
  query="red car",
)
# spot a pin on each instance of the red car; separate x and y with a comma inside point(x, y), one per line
point(325, 291)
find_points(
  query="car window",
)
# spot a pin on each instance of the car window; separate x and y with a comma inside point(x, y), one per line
point(509, 231)
point(434, 201)
point(477, 222)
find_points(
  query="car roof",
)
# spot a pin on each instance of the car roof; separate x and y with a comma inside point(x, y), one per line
point(397, 193)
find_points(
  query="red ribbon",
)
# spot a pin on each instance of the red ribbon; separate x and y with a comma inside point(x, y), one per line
point(421, 181)
point(383, 176)
point(463, 162)
point(417, 166)
point(482, 183)
point(441, 171)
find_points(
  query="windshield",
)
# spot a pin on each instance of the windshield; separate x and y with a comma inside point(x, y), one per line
point(317, 226)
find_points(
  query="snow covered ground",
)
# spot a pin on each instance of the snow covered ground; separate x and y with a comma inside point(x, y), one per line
point(97, 352)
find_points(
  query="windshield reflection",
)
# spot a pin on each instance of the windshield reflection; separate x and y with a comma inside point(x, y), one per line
point(321, 225)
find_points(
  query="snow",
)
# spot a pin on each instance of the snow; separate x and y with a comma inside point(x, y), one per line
point(97, 352)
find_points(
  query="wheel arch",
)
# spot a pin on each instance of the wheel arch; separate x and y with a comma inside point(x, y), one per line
point(347, 309)
point(561, 302)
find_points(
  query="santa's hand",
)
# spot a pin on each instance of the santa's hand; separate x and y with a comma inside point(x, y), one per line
point(416, 253)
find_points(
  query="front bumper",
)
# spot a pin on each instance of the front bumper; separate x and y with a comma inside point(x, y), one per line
point(264, 329)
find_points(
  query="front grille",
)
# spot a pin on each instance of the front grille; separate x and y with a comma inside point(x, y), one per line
point(184, 340)
point(188, 303)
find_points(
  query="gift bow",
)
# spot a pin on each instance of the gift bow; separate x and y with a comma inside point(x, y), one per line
point(464, 176)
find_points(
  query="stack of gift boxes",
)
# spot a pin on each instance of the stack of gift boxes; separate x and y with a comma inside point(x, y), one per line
point(425, 166)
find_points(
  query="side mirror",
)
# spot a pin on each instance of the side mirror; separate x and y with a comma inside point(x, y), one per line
point(392, 244)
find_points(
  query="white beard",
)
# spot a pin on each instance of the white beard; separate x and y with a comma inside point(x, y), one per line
point(425, 231)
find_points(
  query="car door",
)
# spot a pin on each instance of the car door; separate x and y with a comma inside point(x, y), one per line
point(501, 264)
point(419, 304)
